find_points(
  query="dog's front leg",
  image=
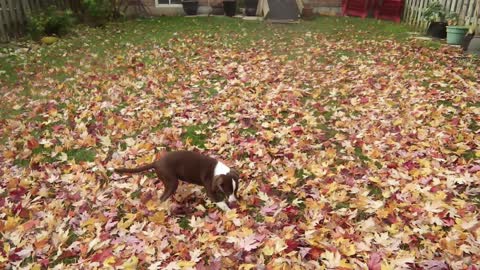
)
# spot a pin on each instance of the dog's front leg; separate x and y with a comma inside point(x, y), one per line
point(222, 205)
point(217, 199)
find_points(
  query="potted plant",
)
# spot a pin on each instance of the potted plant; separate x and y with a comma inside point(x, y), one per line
point(190, 7)
point(230, 7)
point(251, 7)
point(436, 15)
point(455, 33)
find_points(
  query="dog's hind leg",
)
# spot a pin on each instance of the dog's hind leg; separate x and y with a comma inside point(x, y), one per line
point(171, 185)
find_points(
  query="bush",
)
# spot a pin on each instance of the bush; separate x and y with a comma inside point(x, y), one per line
point(50, 22)
point(98, 9)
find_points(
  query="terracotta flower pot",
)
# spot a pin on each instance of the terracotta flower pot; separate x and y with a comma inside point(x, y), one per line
point(307, 12)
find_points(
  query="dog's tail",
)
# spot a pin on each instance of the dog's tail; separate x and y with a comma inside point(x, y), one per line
point(135, 170)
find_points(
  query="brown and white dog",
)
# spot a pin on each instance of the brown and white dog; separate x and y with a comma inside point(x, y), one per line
point(220, 182)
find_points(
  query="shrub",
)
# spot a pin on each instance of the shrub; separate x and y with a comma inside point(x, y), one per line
point(99, 9)
point(50, 22)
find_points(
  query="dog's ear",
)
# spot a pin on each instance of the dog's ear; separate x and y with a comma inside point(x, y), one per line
point(234, 174)
point(217, 183)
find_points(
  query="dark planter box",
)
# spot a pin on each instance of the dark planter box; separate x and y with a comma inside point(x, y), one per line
point(190, 7)
point(251, 7)
point(218, 10)
point(230, 7)
point(437, 30)
point(466, 40)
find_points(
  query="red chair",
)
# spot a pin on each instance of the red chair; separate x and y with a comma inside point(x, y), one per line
point(358, 8)
point(389, 10)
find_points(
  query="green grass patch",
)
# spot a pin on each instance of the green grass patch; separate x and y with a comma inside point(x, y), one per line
point(469, 155)
point(248, 131)
point(342, 205)
point(82, 154)
point(212, 92)
point(329, 132)
point(360, 155)
point(196, 135)
point(375, 191)
point(184, 223)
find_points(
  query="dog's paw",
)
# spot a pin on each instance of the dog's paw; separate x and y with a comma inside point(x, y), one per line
point(223, 206)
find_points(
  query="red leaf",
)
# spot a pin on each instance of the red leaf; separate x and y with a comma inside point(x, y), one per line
point(102, 256)
point(291, 245)
point(32, 144)
point(374, 263)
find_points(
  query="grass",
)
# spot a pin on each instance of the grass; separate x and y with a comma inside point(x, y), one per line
point(124, 36)
point(195, 134)
point(92, 50)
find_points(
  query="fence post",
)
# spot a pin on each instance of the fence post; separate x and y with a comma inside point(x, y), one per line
point(3, 21)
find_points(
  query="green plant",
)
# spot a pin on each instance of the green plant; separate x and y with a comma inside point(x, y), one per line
point(97, 8)
point(435, 12)
point(452, 18)
point(49, 22)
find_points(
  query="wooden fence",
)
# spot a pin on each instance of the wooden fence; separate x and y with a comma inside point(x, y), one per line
point(466, 9)
point(14, 13)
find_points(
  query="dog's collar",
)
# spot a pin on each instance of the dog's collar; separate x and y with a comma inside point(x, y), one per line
point(220, 169)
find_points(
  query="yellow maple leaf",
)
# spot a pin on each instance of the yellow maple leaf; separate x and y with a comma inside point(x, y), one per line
point(345, 265)
point(130, 217)
point(89, 222)
point(109, 261)
point(348, 249)
point(331, 152)
point(151, 205)
point(268, 135)
point(386, 266)
point(223, 139)
point(398, 122)
point(131, 264)
point(12, 223)
point(158, 217)
point(268, 250)
point(186, 264)
point(246, 266)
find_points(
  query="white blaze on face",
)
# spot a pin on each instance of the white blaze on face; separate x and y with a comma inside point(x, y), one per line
point(232, 197)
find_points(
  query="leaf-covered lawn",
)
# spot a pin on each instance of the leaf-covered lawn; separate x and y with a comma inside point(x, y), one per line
point(358, 147)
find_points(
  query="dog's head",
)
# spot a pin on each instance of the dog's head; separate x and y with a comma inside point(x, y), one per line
point(227, 184)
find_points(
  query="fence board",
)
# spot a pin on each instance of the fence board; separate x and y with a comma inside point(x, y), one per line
point(14, 13)
point(466, 10)
point(20, 22)
point(3, 28)
point(11, 13)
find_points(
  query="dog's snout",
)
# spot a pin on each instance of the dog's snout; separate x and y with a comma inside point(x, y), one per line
point(232, 198)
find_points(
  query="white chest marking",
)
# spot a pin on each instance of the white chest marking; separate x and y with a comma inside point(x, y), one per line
point(220, 169)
